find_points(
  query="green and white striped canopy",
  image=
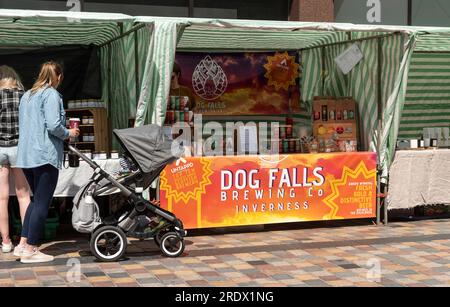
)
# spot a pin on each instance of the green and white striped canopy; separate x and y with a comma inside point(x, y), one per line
point(45, 28)
point(153, 47)
point(319, 43)
point(38, 29)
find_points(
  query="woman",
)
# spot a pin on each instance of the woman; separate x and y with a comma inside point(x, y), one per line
point(40, 153)
point(11, 90)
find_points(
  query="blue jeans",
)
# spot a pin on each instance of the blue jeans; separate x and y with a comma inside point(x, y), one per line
point(42, 181)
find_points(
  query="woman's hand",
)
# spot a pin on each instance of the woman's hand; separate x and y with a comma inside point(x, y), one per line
point(73, 133)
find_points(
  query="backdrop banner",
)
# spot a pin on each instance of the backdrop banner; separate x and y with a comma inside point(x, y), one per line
point(268, 83)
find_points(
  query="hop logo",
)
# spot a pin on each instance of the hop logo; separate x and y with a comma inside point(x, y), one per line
point(209, 80)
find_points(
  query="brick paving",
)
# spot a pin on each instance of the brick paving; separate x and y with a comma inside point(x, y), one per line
point(407, 254)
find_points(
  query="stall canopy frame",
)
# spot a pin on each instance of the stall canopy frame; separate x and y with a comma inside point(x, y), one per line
point(140, 52)
point(381, 112)
point(25, 29)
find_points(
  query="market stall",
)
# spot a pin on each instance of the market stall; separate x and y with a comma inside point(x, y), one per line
point(375, 82)
point(419, 178)
point(418, 175)
point(323, 109)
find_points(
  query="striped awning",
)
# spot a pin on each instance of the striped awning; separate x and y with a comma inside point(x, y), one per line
point(433, 42)
point(158, 42)
point(23, 28)
point(427, 101)
point(196, 38)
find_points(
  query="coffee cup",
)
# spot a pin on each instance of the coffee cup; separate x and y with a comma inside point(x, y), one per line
point(74, 123)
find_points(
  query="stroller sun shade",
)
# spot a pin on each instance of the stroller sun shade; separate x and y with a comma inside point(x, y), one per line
point(148, 147)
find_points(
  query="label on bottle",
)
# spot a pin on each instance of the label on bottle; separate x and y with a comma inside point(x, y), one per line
point(332, 115)
point(324, 113)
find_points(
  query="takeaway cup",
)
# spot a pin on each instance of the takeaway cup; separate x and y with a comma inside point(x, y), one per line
point(74, 123)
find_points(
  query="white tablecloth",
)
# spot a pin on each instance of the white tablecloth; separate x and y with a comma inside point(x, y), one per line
point(71, 179)
point(419, 177)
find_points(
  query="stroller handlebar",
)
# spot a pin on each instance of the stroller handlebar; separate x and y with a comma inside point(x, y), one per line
point(100, 171)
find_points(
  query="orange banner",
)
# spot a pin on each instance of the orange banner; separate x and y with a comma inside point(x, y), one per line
point(209, 192)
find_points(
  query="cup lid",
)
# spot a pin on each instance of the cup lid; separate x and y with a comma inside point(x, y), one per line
point(74, 119)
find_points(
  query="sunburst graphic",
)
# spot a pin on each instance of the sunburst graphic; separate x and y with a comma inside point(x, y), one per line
point(282, 70)
point(193, 191)
point(360, 172)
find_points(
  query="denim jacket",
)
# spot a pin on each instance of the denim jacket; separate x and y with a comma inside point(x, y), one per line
point(42, 129)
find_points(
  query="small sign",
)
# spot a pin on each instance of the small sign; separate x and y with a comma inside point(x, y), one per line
point(347, 60)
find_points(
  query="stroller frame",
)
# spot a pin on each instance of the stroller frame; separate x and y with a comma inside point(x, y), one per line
point(108, 242)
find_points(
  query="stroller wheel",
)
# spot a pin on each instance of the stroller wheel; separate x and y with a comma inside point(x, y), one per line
point(108, 243)
point(172, 245)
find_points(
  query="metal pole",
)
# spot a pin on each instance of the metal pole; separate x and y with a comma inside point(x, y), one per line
point(353, 40)
point(140, 26)
point(379, 118)
point(109, 87)
point(409, 12)
point(380, 191)
point(385, 209)
point(323, 71)
point(191, 8)
point(136, 65)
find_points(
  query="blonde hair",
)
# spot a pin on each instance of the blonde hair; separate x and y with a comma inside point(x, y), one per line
point(9, 78)
point(48, 76)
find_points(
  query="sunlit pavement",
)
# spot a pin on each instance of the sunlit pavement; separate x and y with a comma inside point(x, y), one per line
point(356, 254)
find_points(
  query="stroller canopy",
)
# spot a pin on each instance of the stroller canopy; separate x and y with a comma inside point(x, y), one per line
point(148, 147)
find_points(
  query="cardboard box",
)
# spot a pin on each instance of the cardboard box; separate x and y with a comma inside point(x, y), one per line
point(329, 110)
point(328, 130)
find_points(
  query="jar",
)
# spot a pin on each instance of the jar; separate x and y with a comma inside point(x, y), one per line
point(85, 120)
point(171, 105)
point(285, 146)
point(282, 132)
point(102, 155)
point(114, 155)
point(434, 143)
point(184, 102)
point(292, 146)
point(91, 120)
point(289, 132)
point(298, 146)
point(186, 115)
point(314, 147)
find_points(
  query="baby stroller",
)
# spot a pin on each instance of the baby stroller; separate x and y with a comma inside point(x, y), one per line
point(150, 152)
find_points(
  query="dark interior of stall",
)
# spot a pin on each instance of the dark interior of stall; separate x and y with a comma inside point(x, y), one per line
point(82, 75)
point(82, 80)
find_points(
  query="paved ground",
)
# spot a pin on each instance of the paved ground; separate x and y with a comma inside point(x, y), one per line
point(402, 254)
